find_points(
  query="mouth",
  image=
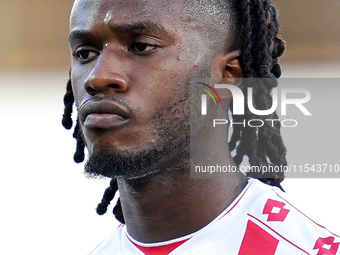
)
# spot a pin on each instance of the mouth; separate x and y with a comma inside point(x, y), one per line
point(104, 114)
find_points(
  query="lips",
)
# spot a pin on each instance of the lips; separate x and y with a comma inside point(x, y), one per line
point(103, 114)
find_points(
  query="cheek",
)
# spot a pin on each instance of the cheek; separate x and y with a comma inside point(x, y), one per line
point(78, 77)
point(168, 86)
point(173, 74)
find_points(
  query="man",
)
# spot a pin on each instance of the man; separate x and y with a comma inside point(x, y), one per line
point(132, 75)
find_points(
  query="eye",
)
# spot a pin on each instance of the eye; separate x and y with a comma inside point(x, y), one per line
point(142, 47)
point(85, 55)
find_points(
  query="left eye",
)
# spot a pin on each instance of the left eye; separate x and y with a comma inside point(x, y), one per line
point(142, 47)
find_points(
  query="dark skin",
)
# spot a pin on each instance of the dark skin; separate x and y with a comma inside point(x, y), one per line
point(130, 58)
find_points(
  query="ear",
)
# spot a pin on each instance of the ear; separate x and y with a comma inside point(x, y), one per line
point(227, 66)
point(226, 69)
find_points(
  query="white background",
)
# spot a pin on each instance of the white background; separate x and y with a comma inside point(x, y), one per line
point(48, 206)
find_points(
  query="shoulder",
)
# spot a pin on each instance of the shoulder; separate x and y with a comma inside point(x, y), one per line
point(272, 217)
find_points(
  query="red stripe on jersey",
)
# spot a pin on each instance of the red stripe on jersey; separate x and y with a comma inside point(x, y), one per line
point(278, 234)
point(257, 241)
point(159, 250)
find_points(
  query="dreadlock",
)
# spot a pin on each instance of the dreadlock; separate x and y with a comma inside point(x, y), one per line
point(260, 49)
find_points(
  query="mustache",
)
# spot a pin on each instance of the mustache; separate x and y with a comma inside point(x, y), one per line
point(110, 98)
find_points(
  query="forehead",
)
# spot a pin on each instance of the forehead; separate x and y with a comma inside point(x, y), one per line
point(86, 13)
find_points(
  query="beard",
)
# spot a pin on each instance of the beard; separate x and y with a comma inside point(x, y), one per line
point(171, 123)
point(119, 165)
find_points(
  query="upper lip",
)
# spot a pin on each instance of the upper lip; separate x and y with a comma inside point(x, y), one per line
point(104, 106)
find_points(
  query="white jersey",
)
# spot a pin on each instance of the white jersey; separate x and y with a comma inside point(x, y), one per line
point(260, 221)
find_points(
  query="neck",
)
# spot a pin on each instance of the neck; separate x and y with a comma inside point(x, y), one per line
point(169, 205)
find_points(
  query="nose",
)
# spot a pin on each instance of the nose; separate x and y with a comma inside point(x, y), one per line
point(106, 75)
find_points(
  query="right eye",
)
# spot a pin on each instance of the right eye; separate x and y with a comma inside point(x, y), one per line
point(85, 55)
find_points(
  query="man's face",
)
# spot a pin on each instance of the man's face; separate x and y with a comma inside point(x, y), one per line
point(131, 66)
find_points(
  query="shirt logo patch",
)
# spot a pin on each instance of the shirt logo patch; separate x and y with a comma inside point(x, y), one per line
point(275, 210)
point(326, 246)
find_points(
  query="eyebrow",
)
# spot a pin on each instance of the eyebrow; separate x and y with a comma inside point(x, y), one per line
point(140, 25)
point(122, 29)
point(80, 34)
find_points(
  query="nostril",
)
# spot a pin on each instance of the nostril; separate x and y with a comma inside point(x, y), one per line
point(90, 90)
point(114, 86)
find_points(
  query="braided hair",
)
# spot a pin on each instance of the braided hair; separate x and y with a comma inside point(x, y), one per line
point(260, 49)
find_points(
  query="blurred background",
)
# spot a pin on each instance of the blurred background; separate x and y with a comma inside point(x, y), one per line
point(47, 205)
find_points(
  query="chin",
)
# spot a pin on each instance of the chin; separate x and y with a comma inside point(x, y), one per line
point(108, 163)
